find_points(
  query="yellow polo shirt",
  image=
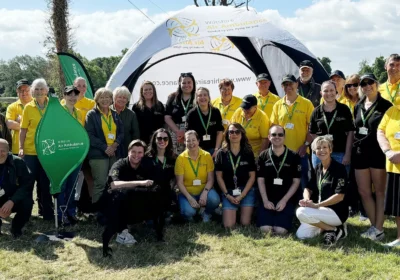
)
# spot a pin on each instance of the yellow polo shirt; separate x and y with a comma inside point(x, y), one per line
point(183, 167)
point(77, 114)
point(394, 90)
point(14, 110)
point(227, 111)
point(30, 120)
point(301, 110)
point(349, 104)
point(109, 128)
point(256, 128)
point(85, 105)
point(266, 103)
point(390, 124)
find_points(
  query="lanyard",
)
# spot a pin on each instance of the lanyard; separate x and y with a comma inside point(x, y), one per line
point(164, 162)
point(223, 111)
point(40, 110)
point(287, 111)
point(109, 122)
point(302, 94)
point(322, 180)
point(263, 104)
point(392, 97)
point(332, 120)
point(195, 171)
point(22, 106)
point(234, 166)
point(282, 163)
point(202, 121)
point(185, 108)
point(363, 118)
point(247, 124)
point(73, 112)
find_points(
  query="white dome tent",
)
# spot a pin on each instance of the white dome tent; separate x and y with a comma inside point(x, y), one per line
point(213, 43)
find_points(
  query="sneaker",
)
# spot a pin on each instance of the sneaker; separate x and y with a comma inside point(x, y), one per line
point(363, 218)
point(332, 236)
point(206, 217)
point(343, 227)
point(393, 244)
point(373, 234)
point(125, 238)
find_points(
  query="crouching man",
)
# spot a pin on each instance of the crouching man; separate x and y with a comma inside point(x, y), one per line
point(15, 189)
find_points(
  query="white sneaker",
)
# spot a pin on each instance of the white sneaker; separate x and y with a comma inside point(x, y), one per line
point(125, 238)
point(374, 234)
point(393, 244)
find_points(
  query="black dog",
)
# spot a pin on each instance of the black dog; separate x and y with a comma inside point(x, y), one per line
point(133, 206)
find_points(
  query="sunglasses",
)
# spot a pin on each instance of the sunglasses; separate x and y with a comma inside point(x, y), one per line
point(352, 85)
point(188, 74)
point(165, 139)
point(231, 132)
point(277, 134)
point(368, 82)
point(71, 93)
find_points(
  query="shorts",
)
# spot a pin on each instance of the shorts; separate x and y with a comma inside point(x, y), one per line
point(247, 201)
point(272, 218)
point(363, 158)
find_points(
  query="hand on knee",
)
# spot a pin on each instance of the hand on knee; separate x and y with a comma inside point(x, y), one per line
point(266, 229)
point(280, 231)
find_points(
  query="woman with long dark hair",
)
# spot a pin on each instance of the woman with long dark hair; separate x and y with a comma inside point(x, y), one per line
point(236, 173)
point(178, 105)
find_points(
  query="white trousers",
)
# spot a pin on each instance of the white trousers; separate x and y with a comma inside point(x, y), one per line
point(308, 216)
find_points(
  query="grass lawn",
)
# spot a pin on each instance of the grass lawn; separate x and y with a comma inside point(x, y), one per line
point(196, 251)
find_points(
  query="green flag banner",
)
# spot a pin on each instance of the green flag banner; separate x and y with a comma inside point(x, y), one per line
point(61, 144)
point(72, 68)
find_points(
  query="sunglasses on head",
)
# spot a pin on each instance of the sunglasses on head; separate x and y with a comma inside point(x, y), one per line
point(277, 134)
point(231, 132)
point(188, 74)
point(352, 85)
point(165, 139)
point(367, 82)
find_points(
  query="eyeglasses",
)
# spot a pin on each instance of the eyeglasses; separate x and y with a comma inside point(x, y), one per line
point(231, 132)
point(188, 74)
point(72, 93)
point(352, 85)
point(277, 134)
point(165, 139)
point(368, 82)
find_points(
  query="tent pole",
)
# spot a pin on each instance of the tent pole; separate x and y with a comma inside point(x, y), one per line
point(55, 213)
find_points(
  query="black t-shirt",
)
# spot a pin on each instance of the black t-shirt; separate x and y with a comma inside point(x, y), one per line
point(193, 122)
point(370, 140)
point(291, 169)
point(161, 176)
point(175, 109)
point(342, 124)
point(311, 91)
point(246, 165)
point(334, 181)
point(149, 119)
point(123, 171)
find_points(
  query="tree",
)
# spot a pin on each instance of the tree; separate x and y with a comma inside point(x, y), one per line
point(326, 63)
point(377, 68)
point(222, 3)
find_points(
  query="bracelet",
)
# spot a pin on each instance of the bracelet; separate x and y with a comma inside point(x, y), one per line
point(226, 194)
point(387, 150)
point(206, 189)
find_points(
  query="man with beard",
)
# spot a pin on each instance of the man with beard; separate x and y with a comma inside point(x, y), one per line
point(391, 89)
point(308, 88)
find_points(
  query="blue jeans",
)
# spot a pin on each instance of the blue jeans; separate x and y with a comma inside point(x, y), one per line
point(304, 171)
point(66, 198)
point(248, 201)
point(188, 211)
point(336, 156)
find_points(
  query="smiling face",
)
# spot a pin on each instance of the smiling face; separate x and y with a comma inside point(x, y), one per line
point(290, 87)
point(148, 92)
point(71, 99)
point(234, 134)
point(187, 85)
point(339, 82)
point(40, 92)
point(135, 155)
point(277, 136)
point(81, 86)
point(104, 101)
point(3, 151)
point(226, 93)
point(328, 92)
point(121, 100)
point(306, 73)
point(393, 68)
point(352, 87)
point(323, 151)
point(162, 140)
point(370, 87)
point(191, 142)
point(24, 94)
point(263, 86)
point(202, 97)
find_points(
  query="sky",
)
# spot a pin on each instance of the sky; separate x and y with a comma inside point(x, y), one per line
point(345, 31)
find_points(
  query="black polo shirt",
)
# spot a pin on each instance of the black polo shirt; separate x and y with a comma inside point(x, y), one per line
point(193, 122)
point(149, 119)
point(161, 176)
point(370, 140)
point(291, 169)
point(123, 171)
point(342, 124)
point(246, 165)
point(334, 182)
point(175, 109)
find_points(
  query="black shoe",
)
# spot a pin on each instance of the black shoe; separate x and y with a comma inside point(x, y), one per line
point(16, 233)
point(343, 227)
point(331, 236)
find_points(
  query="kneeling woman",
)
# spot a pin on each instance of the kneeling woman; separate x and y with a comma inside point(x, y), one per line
point(194, 170)
point(236, 172)
point(330, 213)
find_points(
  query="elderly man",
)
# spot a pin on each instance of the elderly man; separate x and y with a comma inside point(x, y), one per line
point(391, 89)
point(266, 99)
point(339, 79)
point(15, 189)
point(308, 88)
point(14, 113)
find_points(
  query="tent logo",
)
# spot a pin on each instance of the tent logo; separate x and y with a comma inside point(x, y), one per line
point(182, 27)
point(221, 43)
point(48, 147)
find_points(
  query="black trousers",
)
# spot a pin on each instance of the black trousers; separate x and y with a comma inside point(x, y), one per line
point(23, 210)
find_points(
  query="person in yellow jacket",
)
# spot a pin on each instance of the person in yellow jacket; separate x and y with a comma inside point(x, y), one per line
point(390, 90)
point(265, 98)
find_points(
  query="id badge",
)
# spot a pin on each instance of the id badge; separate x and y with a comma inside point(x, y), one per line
point(196, 182)
point(2, 192)
point(206, 137)
point(363, 131)
point(289, 126)
point(236, 192)
point(329, 136)
point(225, 122)
point(278, 181)
point(111, 136)
point(184, 118)
point(397, 136)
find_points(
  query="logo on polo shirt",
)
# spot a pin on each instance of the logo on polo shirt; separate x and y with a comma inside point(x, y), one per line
point(243, 163)
point(299, 167)
point(341, 182)
point(338, 119)
point(115, 172)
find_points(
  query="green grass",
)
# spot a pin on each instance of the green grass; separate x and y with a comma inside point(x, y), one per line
point(196, 251)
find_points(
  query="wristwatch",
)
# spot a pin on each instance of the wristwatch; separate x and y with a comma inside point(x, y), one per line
point(226, 194)
point(206, 189)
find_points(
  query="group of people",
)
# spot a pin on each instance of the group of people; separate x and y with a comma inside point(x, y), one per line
point(308, 154)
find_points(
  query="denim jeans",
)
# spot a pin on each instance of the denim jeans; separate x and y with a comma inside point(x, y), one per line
point(188, 211)
point(66, 198)
point(336, 156)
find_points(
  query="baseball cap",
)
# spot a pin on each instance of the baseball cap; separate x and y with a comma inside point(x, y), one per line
point(368, 76)
point(22, 83)
point(263, 77)
point(289, 78)
point(69, 89)
point(306, 63)
point(337, 73)
point(248, 101)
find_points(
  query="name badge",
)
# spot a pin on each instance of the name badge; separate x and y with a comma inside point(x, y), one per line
point(111, 136)
point(397, 136)
point(278, 181)
point(236, 192)
point(225, 122)
point(206, 137)
point(196, 182)
point(289, 126)
point(363, 131)
point(184, 118)
point(329, 136)
point(2, 192)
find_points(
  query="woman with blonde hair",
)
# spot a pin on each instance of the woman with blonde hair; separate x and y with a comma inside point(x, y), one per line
point(351, 93)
